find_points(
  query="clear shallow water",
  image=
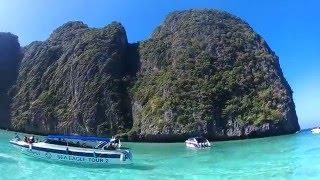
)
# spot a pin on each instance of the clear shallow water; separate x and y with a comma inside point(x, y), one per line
point(290, 157)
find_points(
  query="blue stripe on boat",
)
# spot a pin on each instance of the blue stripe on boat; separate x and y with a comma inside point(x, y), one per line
point(98, 155)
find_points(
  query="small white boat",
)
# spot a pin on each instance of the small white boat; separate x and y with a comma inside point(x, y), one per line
point(197, 142)
point(75, 149)
point(315, 130)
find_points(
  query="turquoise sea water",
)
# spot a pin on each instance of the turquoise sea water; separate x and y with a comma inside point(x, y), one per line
point(288, 157)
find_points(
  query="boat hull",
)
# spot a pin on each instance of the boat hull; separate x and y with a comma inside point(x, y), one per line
point(197, 147)
point(71, 157)
point(194, 143)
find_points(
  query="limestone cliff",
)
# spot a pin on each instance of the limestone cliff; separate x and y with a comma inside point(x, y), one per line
point(73, 82)
point(207, 72)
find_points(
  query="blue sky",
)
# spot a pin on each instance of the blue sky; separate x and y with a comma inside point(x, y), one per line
point(291, 28)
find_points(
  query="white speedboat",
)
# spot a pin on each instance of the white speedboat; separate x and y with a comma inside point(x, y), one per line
point(75, 149)
point(198, 142)
point(315, 130)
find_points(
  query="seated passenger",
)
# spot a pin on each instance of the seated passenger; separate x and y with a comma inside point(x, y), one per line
point(110, 146)
point(31, 139)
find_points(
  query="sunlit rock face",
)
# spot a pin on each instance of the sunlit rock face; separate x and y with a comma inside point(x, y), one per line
point(206, 72)
point(73, 83)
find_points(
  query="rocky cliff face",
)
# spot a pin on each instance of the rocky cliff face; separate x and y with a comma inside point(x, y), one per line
point(10, 56)
point(208, 73)
point(73, 82)
point(202, 72)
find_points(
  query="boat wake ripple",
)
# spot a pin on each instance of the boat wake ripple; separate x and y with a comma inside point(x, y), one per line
point(4, 158)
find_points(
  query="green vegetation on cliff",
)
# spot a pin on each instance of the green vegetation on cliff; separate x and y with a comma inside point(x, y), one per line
point(200, 71)
point(73, 82)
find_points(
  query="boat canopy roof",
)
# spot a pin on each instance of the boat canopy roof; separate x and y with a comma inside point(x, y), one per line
point(78, 137)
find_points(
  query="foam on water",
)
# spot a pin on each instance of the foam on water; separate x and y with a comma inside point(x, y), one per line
point(292, 156)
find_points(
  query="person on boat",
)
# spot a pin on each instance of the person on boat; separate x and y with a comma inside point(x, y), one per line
point(31, 139)
point(26, 139)
point(111, 146)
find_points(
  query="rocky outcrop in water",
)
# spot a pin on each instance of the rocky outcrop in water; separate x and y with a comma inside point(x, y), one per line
point(202, 72)
point(10, 56)
point(207, 72)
